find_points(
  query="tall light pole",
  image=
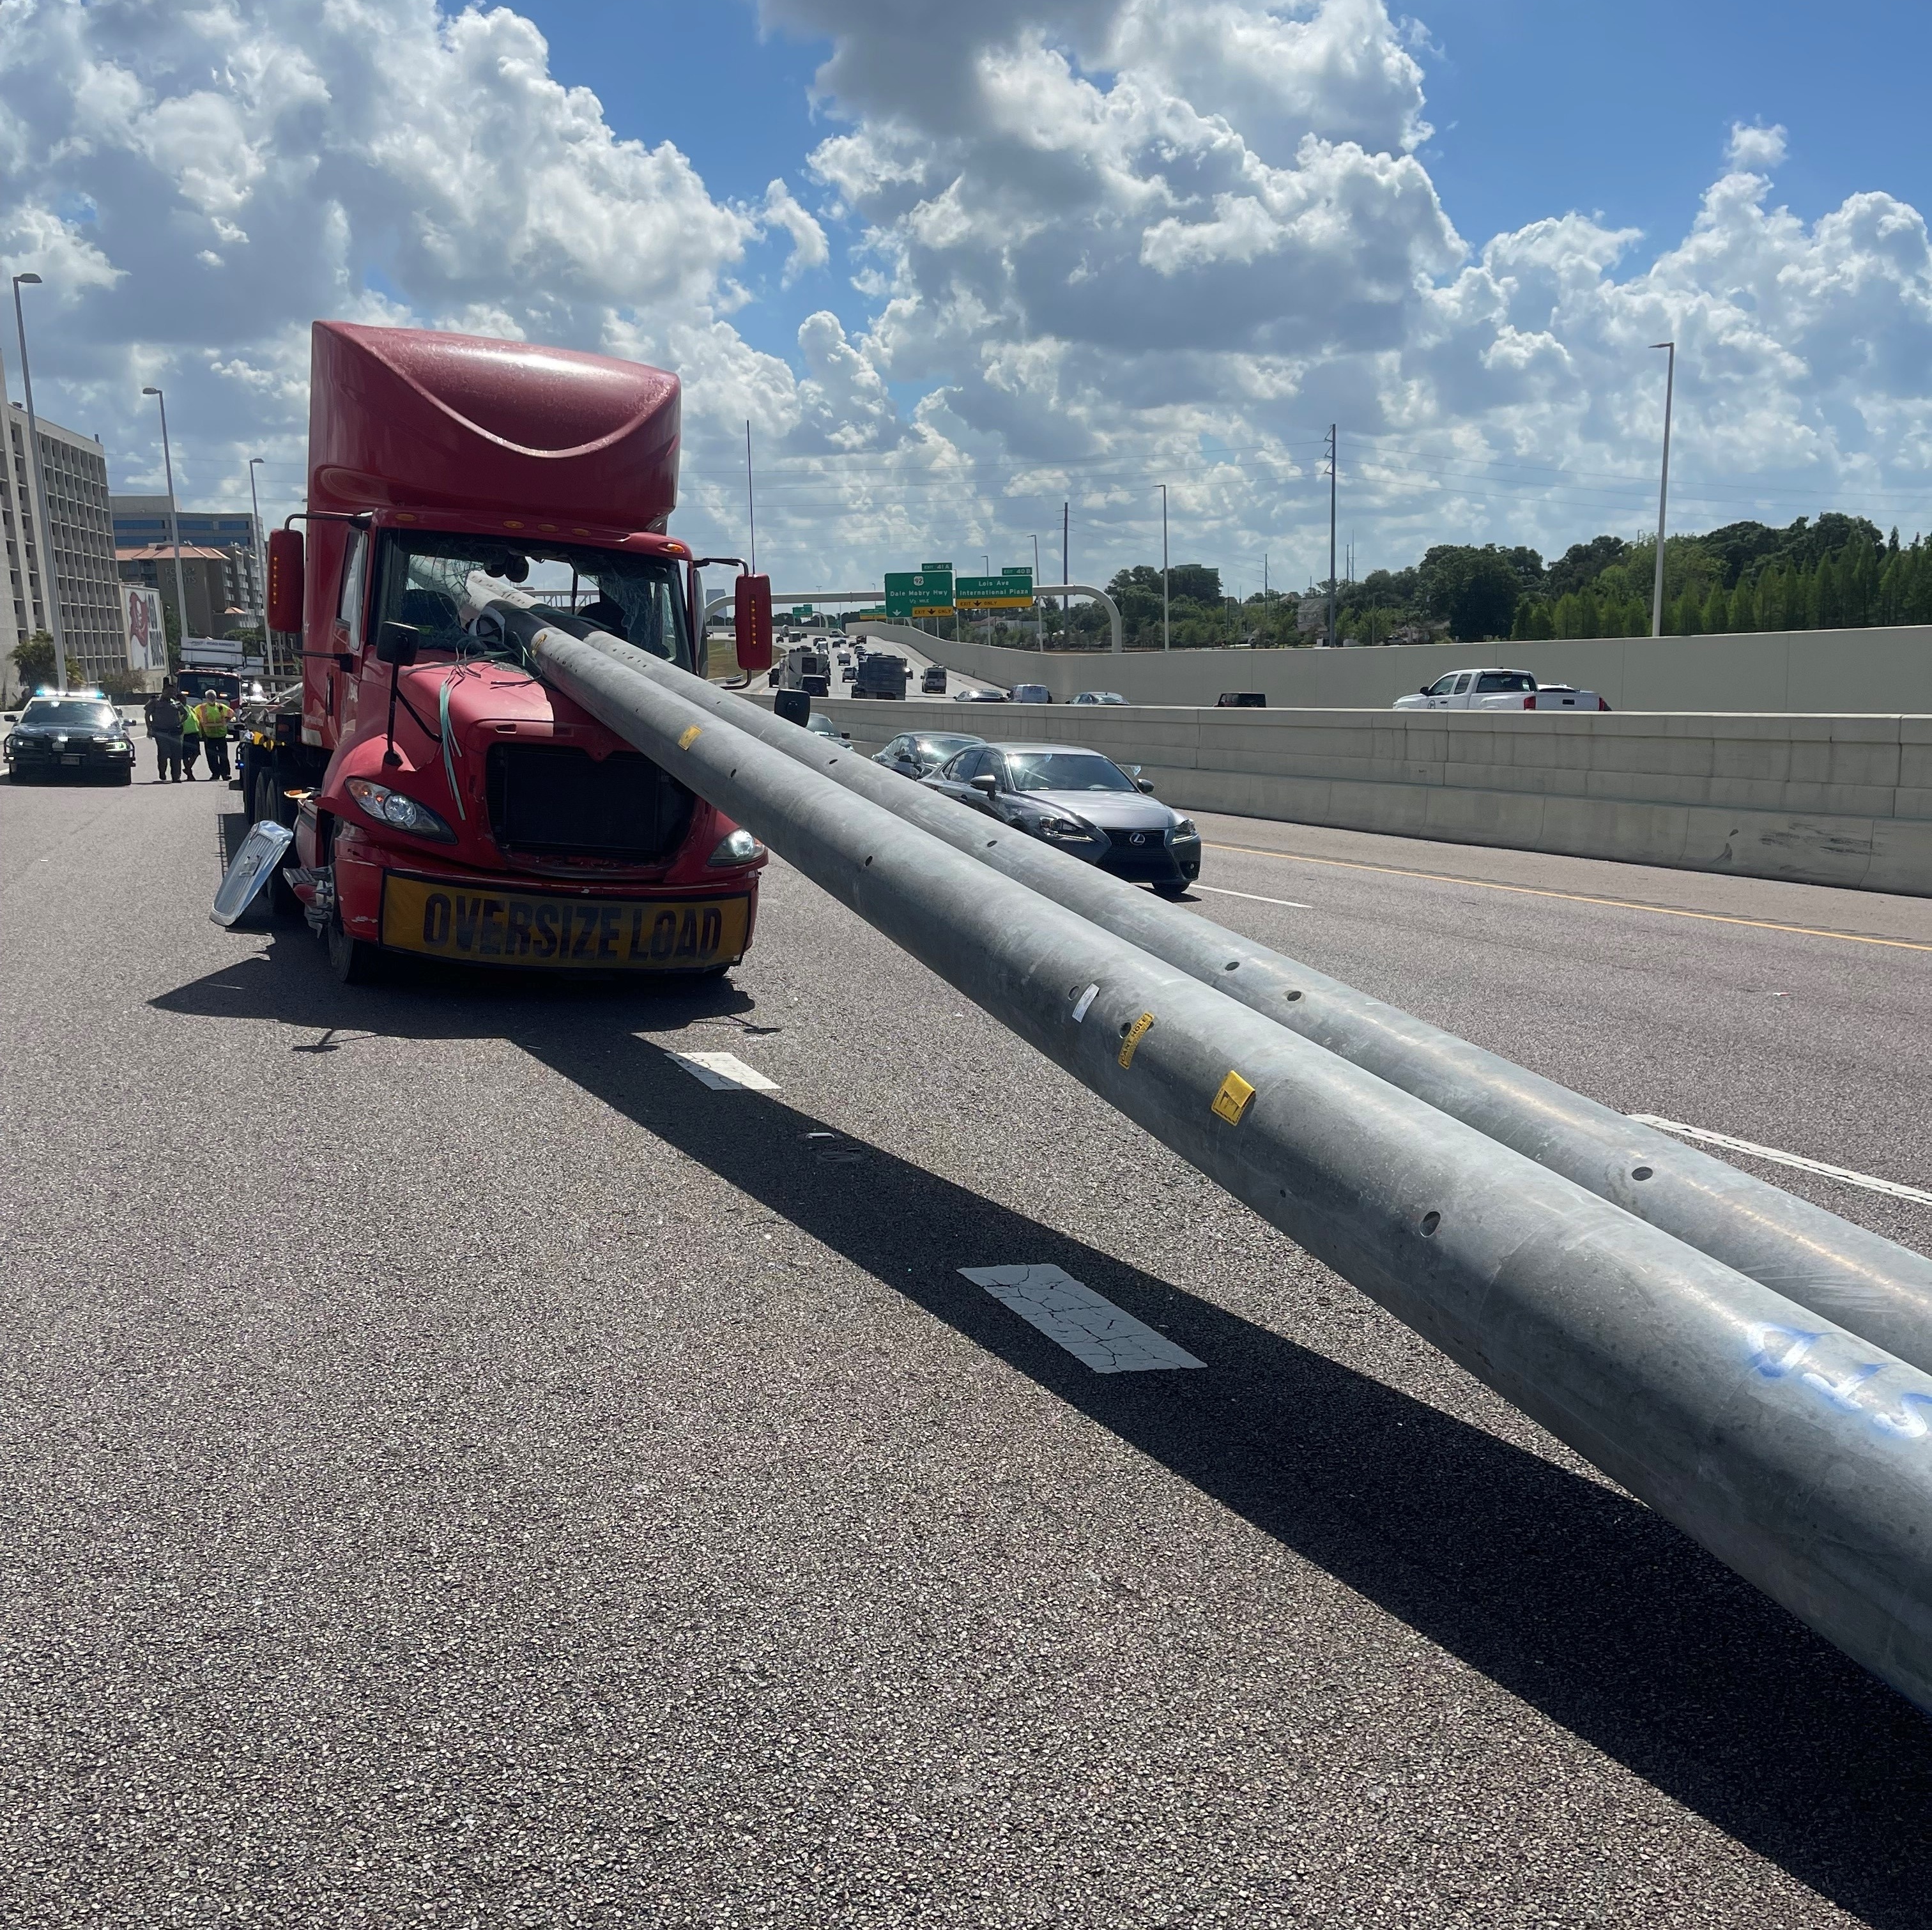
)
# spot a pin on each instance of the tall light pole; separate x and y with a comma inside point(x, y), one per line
point(1663, 489)
point(261, 569)
point(49, 574)
point(174, 520)
point(1332, 467)
point(1166, 641)
point(1039, 608)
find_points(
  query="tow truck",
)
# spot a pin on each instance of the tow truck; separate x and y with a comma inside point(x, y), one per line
point(444, 801)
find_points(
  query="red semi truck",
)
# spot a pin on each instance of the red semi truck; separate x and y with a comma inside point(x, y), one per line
point(445, 802)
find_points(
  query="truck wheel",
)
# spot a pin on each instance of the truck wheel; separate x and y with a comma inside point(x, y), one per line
point(353, 960)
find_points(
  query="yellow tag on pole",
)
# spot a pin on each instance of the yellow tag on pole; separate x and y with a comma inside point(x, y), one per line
point(1232, 1101)
point(1135, 1032)
point(691, 737)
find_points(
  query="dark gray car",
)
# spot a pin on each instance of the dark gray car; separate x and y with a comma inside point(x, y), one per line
point(914, 753)
point(1078, 801)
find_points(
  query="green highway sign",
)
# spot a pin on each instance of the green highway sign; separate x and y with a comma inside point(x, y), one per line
point(935, 569)
point(911, 594)
point(1013, 590)
point(800, 611)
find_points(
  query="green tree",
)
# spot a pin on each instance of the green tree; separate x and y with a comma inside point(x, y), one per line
point(1716, 618)
point(34, 660)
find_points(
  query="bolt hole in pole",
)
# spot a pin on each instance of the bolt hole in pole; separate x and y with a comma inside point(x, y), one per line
point(1640, 1172)
point(1233, 964)
point(1291, 996)
point(1430, 1221)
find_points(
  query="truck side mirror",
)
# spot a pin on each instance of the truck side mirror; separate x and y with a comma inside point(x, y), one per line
point(753, 612)
point(285, 580)
point(397, 644)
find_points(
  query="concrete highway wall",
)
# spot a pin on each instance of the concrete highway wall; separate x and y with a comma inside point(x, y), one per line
point(1799, 672)
point(1842, 800)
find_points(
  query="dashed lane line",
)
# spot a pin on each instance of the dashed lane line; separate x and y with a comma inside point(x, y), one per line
point(1252, 897)
point(1090, 1327)
point(1578, 898)
point(1703, 1136)
point(723, 1072)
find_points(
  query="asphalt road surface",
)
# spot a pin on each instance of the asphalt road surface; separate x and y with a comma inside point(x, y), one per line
point(462, 1470)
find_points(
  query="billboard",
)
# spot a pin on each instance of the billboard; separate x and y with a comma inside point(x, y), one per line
point(147, 635)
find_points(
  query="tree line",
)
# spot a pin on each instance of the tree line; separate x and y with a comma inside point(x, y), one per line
point(1834, 572)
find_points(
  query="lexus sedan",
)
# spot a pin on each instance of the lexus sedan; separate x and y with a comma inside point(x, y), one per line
point(916, 753)
point(1078, 801)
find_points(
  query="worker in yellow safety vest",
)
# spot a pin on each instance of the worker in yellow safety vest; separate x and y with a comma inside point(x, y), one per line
point(211, 717)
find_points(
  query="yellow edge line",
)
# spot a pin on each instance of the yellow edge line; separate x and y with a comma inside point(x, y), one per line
point(1578, 898)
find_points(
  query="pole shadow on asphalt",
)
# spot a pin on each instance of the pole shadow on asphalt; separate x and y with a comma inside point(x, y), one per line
point(1567, 1593)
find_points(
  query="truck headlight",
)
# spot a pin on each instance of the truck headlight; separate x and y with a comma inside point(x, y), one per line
point(391, 808)
point(740, 848)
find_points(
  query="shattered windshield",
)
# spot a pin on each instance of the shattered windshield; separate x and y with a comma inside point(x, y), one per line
point(443, 586)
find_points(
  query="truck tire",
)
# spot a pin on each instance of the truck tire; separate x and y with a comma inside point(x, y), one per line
point(353, 960)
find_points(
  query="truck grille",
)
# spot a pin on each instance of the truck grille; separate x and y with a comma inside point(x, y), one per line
point(556, 799)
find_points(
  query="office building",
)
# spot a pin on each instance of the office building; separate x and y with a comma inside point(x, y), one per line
point(141, 521)
point(205, 575)
point(85, 581)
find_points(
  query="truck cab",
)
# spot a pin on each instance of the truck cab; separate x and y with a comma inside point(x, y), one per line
point(446, 801)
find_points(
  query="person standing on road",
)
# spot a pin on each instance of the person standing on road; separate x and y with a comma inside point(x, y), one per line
point(211, 717)
point(165, 713)
point(191, 735)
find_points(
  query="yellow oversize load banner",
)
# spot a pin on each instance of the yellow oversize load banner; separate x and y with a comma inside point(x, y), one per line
point(543, 931)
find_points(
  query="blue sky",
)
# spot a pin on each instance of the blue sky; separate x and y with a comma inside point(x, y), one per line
point(1119, 243)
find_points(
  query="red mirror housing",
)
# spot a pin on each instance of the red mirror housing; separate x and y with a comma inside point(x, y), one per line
point(285, 580)
point(753, 615)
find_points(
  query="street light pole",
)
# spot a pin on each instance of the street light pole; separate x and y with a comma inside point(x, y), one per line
point(1332, 466)
point(1039, 608)
point(1663, 489)
point(1166, 641)
point(261, 569)
point(174, 520)
point(49, 574)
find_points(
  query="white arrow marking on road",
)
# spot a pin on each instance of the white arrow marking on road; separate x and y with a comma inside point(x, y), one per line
point(1889, 1187)
point(1091, 1328)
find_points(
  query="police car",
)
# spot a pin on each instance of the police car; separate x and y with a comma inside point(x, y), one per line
point(63, 733)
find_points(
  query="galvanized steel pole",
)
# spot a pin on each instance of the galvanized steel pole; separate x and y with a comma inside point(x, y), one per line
point(1798, 1453)
point(37, 472)
point(1868, 1284)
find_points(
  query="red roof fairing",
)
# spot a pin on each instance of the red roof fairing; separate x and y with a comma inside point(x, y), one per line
point(410, 418)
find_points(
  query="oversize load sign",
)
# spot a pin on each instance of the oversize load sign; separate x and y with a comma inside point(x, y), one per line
point(911, 593)
point(542, 932)
point(1012, 590)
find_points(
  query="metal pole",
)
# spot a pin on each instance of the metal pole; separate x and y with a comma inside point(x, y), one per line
point(1066, 568)
point(1039, 608)
point(1166, 638)
point(37, 470)
point(1790, 1449)
point(11, 498)
point(1332, 466)
point(174, 520)
point(261, 570)
point(1859, 1279)
point(750, 500)
point(1662, 488)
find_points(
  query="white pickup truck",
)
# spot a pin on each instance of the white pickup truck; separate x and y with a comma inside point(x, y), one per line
point(1498, 690)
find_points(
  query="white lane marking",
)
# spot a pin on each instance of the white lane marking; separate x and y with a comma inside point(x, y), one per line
point(724, 1072)
point(1086, 998)
point(1091, 1328)
point(1254, 897)
point(1890, 1186)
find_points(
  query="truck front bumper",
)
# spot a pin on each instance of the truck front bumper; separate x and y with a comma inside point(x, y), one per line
point(532, 924)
